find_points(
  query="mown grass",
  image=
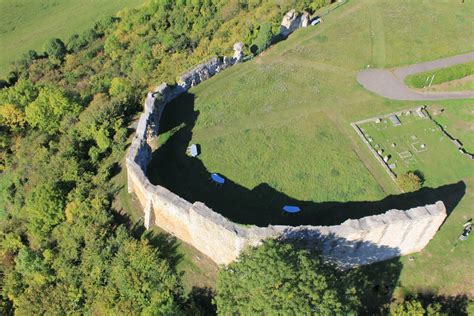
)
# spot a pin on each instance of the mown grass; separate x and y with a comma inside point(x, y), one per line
point(433, 77)
point(28, 25)
point(282, 122)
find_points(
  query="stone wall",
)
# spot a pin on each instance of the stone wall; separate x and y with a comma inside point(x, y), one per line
point(207, 70)
point(352, 243)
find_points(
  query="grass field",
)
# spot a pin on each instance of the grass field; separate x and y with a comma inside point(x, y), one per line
point(438, 76)
point(28, 25)
point(278, 129)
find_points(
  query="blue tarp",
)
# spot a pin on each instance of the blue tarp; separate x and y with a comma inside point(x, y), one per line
point(217, 178)
point(291, 209)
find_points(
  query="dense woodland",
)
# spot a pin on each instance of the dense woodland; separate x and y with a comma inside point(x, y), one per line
point(65, 117)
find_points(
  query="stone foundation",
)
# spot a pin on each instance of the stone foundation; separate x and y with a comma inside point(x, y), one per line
point(352, 243)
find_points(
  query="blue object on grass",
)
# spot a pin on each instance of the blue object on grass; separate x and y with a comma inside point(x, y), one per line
point(291, 209)
point(217, 178)
point(192, 150)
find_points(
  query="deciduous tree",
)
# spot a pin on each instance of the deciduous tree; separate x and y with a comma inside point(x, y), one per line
point(276, 278)
point(49, 108)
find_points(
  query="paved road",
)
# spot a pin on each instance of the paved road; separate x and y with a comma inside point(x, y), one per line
point(389, 84)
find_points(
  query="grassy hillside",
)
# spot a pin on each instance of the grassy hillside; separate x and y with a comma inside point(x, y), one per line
point(28, 25)
point(278, 128)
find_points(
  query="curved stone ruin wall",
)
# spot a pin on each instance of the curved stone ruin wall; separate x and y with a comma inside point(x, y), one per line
point(352, 243)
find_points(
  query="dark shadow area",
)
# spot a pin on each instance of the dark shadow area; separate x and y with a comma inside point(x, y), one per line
point(449, 305)
point(262, 205)
point(200, 301)
point(374, 284)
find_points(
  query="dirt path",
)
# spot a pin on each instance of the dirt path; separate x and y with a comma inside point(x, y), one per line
point(390, 84)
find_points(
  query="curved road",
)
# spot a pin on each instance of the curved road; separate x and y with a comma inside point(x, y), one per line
point(390, 84)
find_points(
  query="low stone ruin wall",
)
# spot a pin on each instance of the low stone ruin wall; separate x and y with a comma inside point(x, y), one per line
point(352, 243)
point(205, 71)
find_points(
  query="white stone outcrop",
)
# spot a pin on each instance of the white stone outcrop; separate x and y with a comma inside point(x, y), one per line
point(293, 21)
point(238, 54)
point(352, 243)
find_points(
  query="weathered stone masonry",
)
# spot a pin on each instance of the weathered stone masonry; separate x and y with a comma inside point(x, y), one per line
point(354, 242)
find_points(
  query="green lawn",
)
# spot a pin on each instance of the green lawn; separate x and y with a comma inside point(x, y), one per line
point(418, 144)
point(463, 84)
point(28, 25)
point(278, 129)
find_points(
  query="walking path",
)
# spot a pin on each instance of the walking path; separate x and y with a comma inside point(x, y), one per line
point(390, 84)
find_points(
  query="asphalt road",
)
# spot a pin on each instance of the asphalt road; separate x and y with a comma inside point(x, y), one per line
point(390, 83)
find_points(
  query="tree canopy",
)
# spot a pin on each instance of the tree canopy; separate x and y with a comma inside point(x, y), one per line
point(409, 181)
point(49, 108)
point(277, 278)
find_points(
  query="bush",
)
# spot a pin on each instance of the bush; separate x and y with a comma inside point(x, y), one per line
point(410, 181)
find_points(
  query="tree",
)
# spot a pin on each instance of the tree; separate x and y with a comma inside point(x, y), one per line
point(121, 88)
point(21, 94)
point(45, 208)
point(140, 281)
point(264, 38)
point(276, 278)
point(49, 108)
point(413, 307)
point(410, 181)
point(56, 50)
point(12, 117)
